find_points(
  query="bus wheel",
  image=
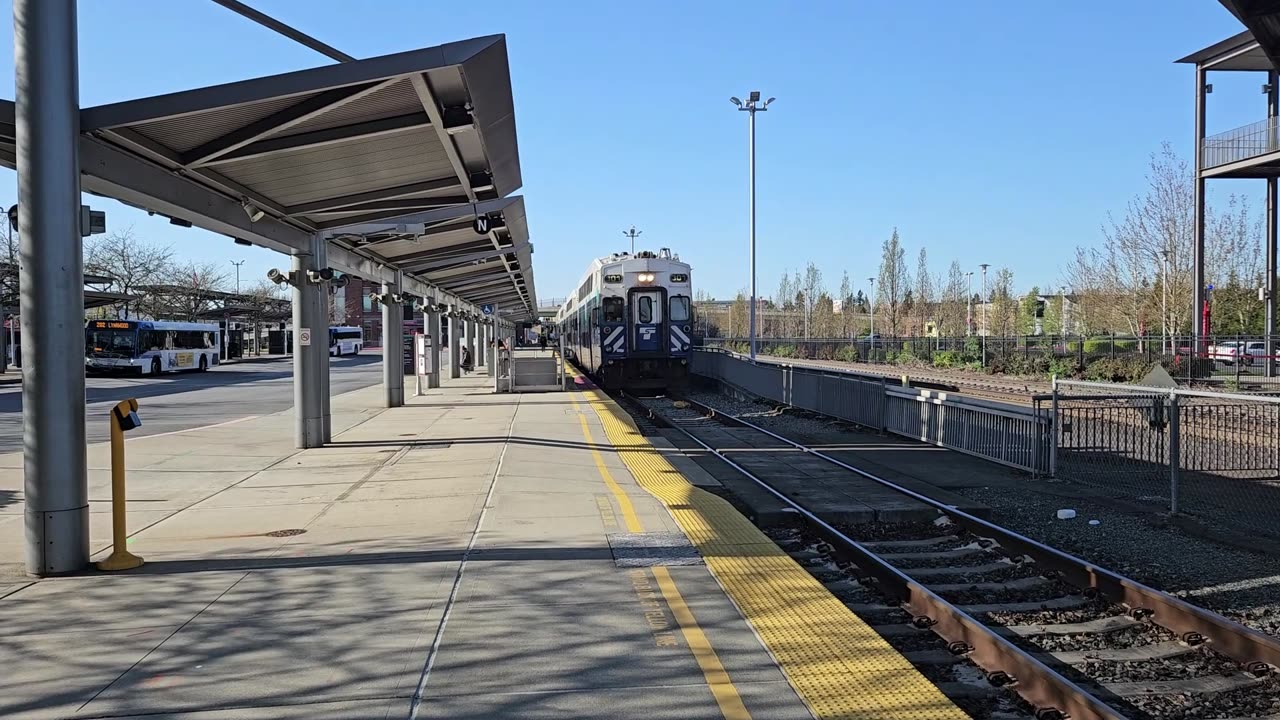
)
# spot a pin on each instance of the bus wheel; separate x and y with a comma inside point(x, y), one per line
point(155, 366)
point(204, 363)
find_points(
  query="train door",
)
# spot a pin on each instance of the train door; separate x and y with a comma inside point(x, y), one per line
point(646, 319)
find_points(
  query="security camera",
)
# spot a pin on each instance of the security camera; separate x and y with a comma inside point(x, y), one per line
point(321, 275)
point(397, 299)
point(278, 277)
point(254, 212)
point(341, 281)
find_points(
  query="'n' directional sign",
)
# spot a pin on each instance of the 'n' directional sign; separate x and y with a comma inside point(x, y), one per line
point(487, 309)
point(481, 225)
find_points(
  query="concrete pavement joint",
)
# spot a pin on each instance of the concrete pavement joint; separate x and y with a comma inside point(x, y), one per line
point(434, 652)
point(177, 630)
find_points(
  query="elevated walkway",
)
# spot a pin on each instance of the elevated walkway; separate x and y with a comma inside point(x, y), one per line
point(469, 555)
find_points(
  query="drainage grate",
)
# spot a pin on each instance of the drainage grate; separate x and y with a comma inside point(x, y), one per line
point(652, 549)
point(285, 533)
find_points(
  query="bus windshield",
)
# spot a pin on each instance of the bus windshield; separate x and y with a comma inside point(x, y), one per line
point(114, 343)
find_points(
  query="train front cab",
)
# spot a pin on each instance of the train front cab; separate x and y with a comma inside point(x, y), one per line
point(650, 348)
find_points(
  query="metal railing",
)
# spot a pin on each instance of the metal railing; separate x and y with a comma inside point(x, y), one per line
point(1006, 434)
point(1215, 456)
point(1241, 143)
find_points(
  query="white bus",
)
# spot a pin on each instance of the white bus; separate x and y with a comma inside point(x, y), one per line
point(150, 348)
point(345, 340)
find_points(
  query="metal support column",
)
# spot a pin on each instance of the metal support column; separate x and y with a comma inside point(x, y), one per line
point(392, 345)
point(1198, 220)
point(482, 332)
point(455, 344)
point(47, 117)
point(1273, 222)
point(320, 336)
point(471, 341)
point(491, 339)
point(310, 354)
point(431, 320)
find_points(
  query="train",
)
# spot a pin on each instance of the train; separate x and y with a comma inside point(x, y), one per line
point(629, 324)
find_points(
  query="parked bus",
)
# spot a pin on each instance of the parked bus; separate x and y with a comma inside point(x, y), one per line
point(345, 340)
point(150, 347)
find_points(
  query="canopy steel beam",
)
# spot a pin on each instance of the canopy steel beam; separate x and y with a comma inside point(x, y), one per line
point(283, 120)
point(325, 136)
point(393, 193)
point(427, 97)
point(402, 206)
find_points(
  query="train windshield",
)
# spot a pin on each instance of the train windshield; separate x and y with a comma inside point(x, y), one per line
point(679, 309)
point(613, 309)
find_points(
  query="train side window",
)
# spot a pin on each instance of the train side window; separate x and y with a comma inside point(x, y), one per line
point(644, 309)
point(613, 309)
point(679, 309)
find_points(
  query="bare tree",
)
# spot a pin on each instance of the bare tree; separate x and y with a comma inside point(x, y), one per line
point(893, 286)
point(810, 289)
point(190, 289)
point(955, 303)
point(846, 306)
point(130, 262)
point(924, 299)
point(1002, 313)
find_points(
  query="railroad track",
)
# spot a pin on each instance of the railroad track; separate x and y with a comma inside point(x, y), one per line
point(965, 599)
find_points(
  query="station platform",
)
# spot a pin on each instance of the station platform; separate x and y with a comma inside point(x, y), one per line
point(469, 555)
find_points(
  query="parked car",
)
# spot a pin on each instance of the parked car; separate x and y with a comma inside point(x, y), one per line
point(1229, 353)
point(1256, 352)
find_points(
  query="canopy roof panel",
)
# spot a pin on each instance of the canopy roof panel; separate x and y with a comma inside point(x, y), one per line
point(320, 149)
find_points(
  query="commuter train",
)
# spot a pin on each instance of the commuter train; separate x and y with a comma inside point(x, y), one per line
point(629, 323)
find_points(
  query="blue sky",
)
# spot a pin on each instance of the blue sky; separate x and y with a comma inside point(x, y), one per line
point(988, 131)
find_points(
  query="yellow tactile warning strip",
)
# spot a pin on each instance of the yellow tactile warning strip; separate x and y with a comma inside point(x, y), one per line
point(722, 688)
point(837, 664)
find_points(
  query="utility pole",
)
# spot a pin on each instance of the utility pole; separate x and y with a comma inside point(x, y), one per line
point(968, 316)
point(984, 267)
point(633, 233)
point(871, 303)
point(1062, 310)
point(751, 107)
point(1165, 330)
point(237, 264)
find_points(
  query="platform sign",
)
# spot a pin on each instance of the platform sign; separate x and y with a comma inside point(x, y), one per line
point(304, 336)
point(487, 308)
point(481, 225)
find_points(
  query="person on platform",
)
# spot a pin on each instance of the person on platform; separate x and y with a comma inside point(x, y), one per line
point(464, 359)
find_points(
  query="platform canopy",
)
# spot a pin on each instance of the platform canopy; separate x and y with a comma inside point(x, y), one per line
point(1239, 52)
point(276, 159)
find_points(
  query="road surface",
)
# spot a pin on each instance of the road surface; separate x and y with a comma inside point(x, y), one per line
point(180, 401)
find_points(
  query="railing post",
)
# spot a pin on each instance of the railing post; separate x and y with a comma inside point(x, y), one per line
point(1053, 431)
point(1175, 451)
point(884, 405)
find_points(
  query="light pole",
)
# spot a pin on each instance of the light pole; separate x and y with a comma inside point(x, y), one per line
point(633, 233)
point(1062, 310)
point(751, 107)
point(237, 264)
point(984, 267)
point(871, 300)
point(1165, 330)
point(968, 316)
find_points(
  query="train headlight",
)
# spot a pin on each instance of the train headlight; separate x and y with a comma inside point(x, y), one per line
point(645, 278)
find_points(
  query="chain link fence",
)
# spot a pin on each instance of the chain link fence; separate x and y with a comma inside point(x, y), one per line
point(1215, 456)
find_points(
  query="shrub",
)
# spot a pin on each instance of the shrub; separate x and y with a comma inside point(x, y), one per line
point(946, 359)
point(847, 353)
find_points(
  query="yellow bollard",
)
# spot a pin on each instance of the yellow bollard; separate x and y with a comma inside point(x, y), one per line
point(124, 417)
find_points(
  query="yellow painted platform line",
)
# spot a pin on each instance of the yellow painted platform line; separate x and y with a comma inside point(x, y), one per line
point(837, 664)
point(722, 688)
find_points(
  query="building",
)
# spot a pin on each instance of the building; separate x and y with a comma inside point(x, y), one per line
point(1251, 151)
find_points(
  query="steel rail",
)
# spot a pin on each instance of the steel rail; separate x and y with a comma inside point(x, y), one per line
point(1054, 695)
point(1249, 647)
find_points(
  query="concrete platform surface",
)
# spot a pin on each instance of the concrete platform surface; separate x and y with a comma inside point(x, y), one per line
point(449, 559)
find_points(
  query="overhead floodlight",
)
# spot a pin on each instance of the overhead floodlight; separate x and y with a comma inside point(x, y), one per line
point(254, 212)
point(735, 101)
point(770, 100)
